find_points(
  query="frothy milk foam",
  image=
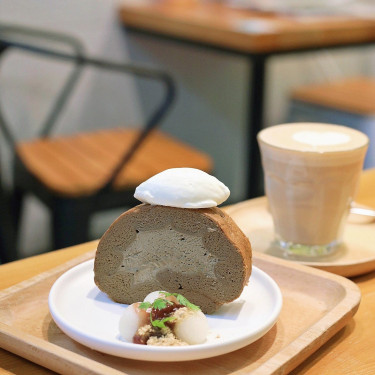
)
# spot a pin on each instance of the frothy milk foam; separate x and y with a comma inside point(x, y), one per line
point(311, 174)
point(315, 138)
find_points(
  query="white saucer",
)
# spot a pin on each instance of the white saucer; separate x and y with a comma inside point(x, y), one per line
point(88, 316)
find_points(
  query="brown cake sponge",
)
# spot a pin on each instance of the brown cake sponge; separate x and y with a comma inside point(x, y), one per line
point(199, 253)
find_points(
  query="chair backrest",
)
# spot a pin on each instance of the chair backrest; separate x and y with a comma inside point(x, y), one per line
point(35, 41)
point(32, 40)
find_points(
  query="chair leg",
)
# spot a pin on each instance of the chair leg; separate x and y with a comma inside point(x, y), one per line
point(71, 221)
point(17, 201)
point(8, 243)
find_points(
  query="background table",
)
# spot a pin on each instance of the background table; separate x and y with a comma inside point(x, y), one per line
point(254, 35)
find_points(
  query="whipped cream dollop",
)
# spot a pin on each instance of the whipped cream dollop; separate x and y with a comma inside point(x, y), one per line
point(184, 188)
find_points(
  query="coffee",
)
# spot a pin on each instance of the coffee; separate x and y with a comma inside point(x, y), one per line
point(311, 174)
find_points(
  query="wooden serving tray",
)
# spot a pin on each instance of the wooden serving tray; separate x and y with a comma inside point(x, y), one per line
point(354, 257)
point(316, 305)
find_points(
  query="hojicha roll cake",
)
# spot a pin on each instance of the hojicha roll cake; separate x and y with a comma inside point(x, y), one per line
point(177, 240)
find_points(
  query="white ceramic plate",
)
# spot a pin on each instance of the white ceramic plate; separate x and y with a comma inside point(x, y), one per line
point(88, 316)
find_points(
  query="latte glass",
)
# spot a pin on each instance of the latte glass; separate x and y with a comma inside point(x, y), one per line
point(311, 176)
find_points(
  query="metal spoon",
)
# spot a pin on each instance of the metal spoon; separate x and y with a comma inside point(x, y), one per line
point(361, 215)
point(362, 211)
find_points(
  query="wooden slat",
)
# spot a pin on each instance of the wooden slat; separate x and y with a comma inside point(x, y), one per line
point(354, 95)
point(41, 163)
point(55, 166)
point(80, 164)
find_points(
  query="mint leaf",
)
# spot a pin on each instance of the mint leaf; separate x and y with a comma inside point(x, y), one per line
point(161, 303)
point(168, 294)
point(182, 300)
point(160, 323)
point(144, 305)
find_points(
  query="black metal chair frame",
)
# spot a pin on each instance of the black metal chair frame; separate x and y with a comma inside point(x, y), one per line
point(7, 230)
point(63, 207)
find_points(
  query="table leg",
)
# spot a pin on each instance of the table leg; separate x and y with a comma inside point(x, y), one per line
point(8, 251)
point(255, 118)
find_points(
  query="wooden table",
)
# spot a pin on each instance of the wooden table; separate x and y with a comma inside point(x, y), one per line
point(351, 351)
point(254, 35)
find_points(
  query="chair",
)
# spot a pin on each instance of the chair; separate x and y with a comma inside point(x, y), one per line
point(78, 175)
point(349, 101)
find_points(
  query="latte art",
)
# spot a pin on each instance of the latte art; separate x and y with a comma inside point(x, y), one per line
point(314, 138)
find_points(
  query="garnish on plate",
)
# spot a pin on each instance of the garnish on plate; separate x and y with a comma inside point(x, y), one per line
point(182, 300)
point(166, 319)
point(158, 304)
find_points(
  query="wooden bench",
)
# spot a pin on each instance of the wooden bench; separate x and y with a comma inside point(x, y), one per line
point(349, 102)
point(353, 95)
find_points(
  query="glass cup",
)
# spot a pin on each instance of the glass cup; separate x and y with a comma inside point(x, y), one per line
point(311, 174)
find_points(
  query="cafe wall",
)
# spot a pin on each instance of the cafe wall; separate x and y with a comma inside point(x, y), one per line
point(212, 86)
point(27, 84)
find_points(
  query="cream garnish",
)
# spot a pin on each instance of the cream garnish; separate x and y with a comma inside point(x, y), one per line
point(184, 188)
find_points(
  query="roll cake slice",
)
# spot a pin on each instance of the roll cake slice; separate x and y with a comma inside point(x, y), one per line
point(200, 253)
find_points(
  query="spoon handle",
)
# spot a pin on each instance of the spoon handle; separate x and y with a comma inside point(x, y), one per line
point(362, 211)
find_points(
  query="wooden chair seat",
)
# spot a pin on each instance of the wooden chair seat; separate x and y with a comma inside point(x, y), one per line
point(79, 165)
point(353, 95)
